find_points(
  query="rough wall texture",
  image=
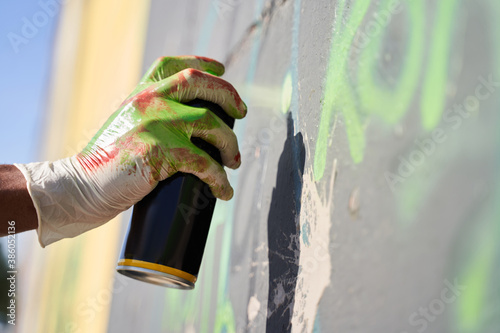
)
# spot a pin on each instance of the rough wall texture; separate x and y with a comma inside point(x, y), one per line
point(368, 196)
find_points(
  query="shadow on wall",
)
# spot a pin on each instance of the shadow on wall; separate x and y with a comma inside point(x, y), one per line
point(283, 232)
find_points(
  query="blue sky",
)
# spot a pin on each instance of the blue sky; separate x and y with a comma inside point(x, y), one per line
point(24, 80)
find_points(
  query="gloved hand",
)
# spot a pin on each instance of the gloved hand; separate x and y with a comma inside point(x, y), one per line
point(145, 141)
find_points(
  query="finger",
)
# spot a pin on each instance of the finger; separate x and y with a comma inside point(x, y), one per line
point(214, 131)
point(190, 84)
point(164, 67)
point(195, 161)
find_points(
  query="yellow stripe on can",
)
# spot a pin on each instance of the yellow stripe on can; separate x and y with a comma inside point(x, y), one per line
point(158, 267)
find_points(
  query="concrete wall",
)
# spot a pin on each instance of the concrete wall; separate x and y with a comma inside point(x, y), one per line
point(367, 200)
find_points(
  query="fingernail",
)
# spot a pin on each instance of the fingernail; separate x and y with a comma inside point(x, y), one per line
point(229, 194)
point(237, 160)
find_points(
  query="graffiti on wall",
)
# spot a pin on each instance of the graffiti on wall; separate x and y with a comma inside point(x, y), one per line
point(387, 60)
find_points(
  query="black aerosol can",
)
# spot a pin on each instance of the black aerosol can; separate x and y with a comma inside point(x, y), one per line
point(169, 227)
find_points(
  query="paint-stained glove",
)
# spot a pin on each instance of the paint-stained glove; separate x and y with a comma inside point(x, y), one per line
point(145, 141)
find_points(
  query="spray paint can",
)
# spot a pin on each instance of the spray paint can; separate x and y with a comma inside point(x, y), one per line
point(169, 227)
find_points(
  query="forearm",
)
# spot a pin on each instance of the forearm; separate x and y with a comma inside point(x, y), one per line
point(15, 201)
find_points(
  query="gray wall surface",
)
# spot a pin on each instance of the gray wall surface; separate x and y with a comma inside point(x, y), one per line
point(368, 197)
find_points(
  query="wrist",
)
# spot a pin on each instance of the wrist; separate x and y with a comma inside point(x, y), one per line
point(62, 195)
point(16, 202)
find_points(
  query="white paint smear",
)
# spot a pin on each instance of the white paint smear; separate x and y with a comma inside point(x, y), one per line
point(253, 308)
point(314, 260)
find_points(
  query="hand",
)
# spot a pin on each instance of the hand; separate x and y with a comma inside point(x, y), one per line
point(148, 137)
point(145, 141)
